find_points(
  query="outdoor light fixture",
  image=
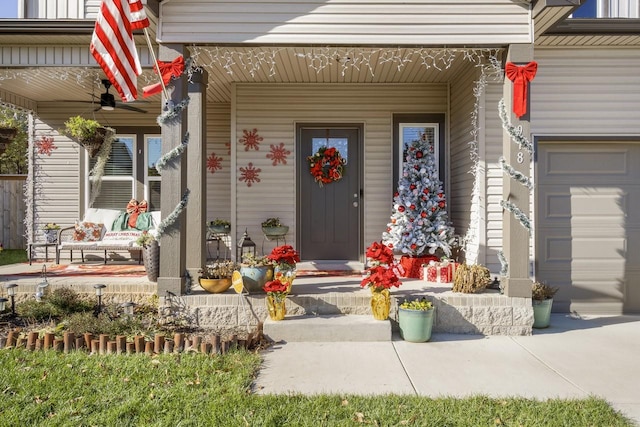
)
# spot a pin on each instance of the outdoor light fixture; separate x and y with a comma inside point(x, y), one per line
point(99, 289)
point(127, 308)
point(11, 292)
point(245, 246)
point(3, 304)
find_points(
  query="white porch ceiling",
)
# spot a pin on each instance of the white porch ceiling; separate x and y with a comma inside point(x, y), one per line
point(226, 65)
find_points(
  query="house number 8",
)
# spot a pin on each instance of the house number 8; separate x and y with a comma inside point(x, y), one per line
point(520, 157)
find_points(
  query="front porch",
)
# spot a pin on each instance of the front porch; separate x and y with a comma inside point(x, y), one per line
point(329, 296)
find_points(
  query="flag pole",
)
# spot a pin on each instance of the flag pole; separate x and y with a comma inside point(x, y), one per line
point(155, 63)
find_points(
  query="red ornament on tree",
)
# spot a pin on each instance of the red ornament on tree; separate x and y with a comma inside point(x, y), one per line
point(419, 154)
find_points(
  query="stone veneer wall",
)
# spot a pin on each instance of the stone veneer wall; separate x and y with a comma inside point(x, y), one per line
point(487, 313)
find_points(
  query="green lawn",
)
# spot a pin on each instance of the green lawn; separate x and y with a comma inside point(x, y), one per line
point(13, 256)
point(48, 388)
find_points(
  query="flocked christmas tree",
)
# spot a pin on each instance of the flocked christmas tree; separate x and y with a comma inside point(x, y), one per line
point(419, 223)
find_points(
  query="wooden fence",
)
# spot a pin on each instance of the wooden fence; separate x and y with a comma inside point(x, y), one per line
point(12, 211)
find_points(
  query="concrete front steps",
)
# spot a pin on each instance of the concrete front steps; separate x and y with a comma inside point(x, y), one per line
point(328, 328)
point(328, 306)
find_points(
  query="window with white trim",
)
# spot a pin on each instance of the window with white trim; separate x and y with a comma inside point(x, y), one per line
point(152, 178)
point(118, 181)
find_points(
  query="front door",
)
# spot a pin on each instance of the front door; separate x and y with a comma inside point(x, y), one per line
point(330, 215)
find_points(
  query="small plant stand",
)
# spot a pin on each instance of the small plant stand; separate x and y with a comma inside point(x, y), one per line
point(274, 238)
point(41, 245)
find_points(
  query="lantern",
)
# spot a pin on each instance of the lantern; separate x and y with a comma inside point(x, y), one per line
point(245, 246)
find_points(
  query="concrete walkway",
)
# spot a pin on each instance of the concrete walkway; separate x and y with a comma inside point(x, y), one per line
point(574, 358)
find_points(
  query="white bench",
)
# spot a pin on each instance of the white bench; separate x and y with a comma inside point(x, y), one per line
point(109, 240)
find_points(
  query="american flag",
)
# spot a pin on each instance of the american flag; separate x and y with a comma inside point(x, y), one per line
point(113, 47)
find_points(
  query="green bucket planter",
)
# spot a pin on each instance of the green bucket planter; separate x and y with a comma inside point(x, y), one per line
point(415, 325)
point(542, 313)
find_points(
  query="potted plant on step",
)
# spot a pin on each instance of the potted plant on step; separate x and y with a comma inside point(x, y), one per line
point(542, 298)
point(219, 226)
point(87, 132)
point(380, 277)
point(216, 277)
point(150, 255)
point(255, 271)
point(272, 227)
point(416, 320)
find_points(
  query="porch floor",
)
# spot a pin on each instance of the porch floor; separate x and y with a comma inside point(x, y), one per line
point(320, 289)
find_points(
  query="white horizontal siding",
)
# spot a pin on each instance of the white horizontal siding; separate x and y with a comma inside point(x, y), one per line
point(462, 105)
point(493, 135)
point(274, 111)
point(218, 143)
point(345, 22)
point(58, 55)
point(589, 91)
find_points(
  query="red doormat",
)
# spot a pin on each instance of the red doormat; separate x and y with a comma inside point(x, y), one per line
point(114, 270)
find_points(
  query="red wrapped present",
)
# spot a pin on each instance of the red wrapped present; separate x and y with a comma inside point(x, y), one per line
point(412, 266)
point(440, 272)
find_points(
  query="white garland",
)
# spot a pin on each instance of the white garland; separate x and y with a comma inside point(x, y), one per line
point(470, 240)
point(173, 216)
point(173, 111)
point(175, 152)
point(504, 269)
point(515, 210)
point(97, 172)
point(517, 175)
point(515, 133)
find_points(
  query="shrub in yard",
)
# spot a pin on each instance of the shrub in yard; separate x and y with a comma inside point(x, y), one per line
point(80, 323)
point(55, 305)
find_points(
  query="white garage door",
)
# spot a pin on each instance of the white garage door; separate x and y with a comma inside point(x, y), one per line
point(588, 225)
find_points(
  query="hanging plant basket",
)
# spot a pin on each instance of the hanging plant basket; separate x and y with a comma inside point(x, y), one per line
point(92, 145)
point(88, 133)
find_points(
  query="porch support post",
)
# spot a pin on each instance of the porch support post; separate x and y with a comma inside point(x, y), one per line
point(515, 237)
point(173, 185)
point(196, 173)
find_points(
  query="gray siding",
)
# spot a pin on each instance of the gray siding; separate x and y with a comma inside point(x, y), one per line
point(219, 182)
point(460, 198)
point(586, 92)
point(274, 111)
point(346, 22)
point(493, 134)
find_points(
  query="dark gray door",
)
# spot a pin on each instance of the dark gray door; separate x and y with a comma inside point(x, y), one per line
point(330, 216)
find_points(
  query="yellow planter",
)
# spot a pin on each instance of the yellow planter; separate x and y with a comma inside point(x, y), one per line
point(380, 304)
point(215, 286)
point(276, 307)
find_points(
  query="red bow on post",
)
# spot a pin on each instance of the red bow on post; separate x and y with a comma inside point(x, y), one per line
point(520, 76)
point(134, 209)
point(168, 70)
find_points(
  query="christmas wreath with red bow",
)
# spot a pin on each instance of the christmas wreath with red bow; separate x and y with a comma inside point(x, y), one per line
point(326, 165)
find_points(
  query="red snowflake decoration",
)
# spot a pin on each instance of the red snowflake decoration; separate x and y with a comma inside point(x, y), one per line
point(251, 139)
point(45, 145)
point(228, 145)
point(250, 174)
point(278, 154)
point(214, 162)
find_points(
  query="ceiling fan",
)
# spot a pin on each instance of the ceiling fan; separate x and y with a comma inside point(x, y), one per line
point(108, 101)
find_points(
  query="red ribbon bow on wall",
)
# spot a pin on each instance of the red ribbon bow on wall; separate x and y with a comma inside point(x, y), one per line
point(520, 76)
point(168, 69)
point(134, 209)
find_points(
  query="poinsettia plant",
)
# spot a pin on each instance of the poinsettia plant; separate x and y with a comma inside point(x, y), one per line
point(382, 271)
point(284, 257)
point(276, 289)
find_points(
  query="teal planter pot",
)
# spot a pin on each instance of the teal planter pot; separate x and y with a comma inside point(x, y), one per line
point(415, 325)
point(254, 278)
point(542, 313)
